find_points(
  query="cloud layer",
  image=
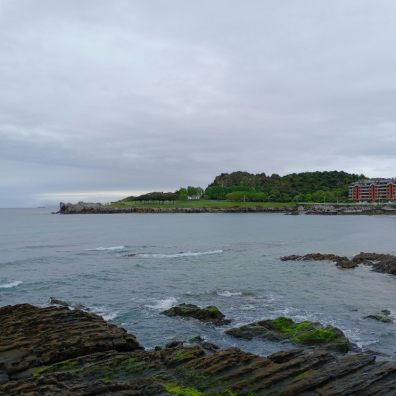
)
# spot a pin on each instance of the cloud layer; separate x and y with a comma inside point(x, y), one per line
point(100, 98)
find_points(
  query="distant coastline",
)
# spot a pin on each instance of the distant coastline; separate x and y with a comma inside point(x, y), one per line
point(225, 207)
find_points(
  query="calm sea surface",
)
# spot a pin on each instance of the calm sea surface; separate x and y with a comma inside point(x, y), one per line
point(229, 260)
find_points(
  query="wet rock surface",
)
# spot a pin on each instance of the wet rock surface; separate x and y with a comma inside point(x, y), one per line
point(301, 333)
point(383, 316)
point(209, 314)
point(385, 263)
point(102, 368)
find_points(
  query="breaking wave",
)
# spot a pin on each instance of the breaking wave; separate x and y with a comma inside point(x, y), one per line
point(166, 303)
point(100, 249)
point(175, 255)
point(10, 285)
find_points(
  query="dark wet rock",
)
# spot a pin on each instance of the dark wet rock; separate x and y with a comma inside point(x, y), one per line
point(208, 314)
point(385, 263)
point(31, 336)
point(301, 333)
point(98, 367)
point(341, 261)
point(174, 344)
point(208, 346)
point(383, 316)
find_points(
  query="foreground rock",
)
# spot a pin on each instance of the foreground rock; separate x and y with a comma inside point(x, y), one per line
point(385, 263)
point(302, 333)
point(76, 353)
point(208, 314)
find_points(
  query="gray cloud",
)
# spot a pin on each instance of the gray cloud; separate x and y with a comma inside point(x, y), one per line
point(103, 98)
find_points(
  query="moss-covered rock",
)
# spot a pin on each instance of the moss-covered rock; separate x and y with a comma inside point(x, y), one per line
point(208, 314)
point(302, 333)
point(383, 316)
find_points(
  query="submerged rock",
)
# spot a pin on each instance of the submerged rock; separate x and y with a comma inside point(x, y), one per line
point(383, 316)
point(302, 333)
point(208, 314)
point(57, 351)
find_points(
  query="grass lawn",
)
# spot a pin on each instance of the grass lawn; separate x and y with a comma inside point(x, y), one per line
point(201, 204)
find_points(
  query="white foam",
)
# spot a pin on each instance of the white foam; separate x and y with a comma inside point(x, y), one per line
point(166, 303)
point(103, 312)
point(175, 255)
point(227, 293)
point(100, 249)
point(10, 285)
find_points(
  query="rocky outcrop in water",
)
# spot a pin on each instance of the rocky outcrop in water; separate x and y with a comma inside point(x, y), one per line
point(57, 351)
point(383, 316)
point(209, 314)
point(340, 261)
point(302, 333)
point(385, 263)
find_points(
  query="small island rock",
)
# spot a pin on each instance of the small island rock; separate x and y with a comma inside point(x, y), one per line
point(301, 333)
point(208, 314)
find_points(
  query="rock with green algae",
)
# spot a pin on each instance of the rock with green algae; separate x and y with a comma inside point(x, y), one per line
point(383, 316)
point(301, 333)
point(209, 314)
point(179, 371)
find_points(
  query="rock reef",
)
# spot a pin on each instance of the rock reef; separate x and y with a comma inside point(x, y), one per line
point(302, 333)
point(209, 314)
point(58, 351)
point(385, 263)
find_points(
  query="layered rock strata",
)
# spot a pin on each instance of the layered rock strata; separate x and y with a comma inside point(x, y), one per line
point(57, 351)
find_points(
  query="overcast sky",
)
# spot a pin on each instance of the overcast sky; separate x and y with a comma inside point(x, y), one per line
point(101, 99)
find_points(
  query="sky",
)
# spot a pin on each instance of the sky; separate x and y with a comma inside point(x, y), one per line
point(104, 99)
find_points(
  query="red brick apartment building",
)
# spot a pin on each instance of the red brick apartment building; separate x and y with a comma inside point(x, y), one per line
point(373, 190)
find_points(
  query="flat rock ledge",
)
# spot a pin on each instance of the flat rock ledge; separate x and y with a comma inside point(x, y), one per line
point(302, 333)
point(57, 351)
point(209, 314)
point(384, 263)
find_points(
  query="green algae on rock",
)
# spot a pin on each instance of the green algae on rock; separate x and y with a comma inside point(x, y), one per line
point(302, 333)
point(208, 314)
point(31, 366)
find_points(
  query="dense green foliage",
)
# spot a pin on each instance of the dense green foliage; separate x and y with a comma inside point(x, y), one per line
point(329, 186)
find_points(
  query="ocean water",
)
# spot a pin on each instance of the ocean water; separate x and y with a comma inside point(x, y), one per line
point(130, 267)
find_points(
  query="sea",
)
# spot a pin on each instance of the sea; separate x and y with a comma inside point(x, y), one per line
point(129, 268)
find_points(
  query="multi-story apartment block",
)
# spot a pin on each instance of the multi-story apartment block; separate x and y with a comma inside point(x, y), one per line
point(373, 190)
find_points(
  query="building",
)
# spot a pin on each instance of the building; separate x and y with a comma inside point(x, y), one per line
point(373, 190)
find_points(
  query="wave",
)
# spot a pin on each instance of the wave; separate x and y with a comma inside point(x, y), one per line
point(10, 285)
point(101, 249)
point(166, 303)
point(174, 255)
point(227, 293)
point(104, 312)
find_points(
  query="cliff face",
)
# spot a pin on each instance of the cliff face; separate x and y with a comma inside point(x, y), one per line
point(57, 351)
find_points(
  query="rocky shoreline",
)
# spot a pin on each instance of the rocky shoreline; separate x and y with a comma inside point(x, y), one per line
point(59, 351)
